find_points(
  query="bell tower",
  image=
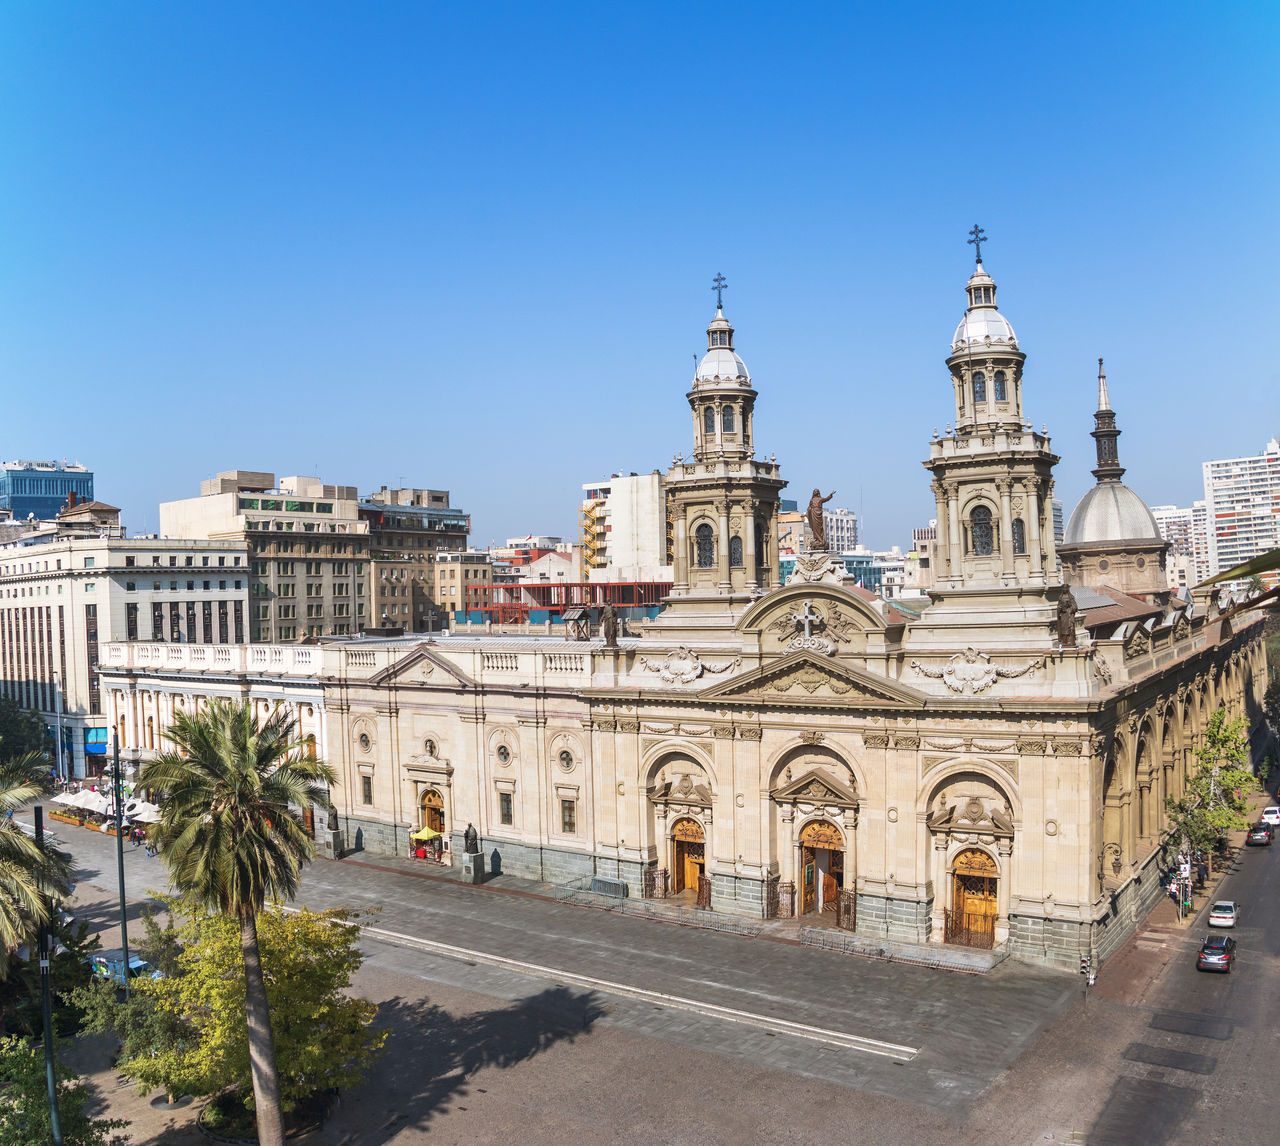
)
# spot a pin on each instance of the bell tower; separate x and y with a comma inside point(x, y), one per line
point(723, 504)
point(996, 571)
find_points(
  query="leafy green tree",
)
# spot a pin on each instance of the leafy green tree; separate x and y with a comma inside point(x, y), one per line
point(32, 878)
point(21, 730)
point(182, 1032)
point(24, 1102)
point(71, 945)
point(231, 840)
point(1216, 798)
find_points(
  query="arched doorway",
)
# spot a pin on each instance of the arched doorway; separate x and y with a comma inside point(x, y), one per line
point(689, 866)
point(821, 866)
point(433, 810)
point(972, 917)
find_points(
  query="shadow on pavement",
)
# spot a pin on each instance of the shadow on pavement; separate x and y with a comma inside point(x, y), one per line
point(431, 1055)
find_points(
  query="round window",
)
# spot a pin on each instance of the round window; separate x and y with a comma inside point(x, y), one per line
point(365, 742)
point(504, 754)
point(566, 760)
point(1141, 562)
point(1104, 565)
point(430, 747)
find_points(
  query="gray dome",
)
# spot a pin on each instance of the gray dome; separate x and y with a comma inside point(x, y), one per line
point(721, 363)
point(1111, 511)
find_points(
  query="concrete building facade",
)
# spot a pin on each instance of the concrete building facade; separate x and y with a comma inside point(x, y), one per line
point(37, 490)
point(63, 598)
point(1242, 507)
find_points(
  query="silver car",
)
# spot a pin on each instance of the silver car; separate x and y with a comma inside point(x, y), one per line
point(1224, 913)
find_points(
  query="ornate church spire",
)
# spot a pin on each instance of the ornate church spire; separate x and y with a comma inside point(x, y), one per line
point(1105, 434)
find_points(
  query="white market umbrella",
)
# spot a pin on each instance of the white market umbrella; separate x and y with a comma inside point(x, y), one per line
point(147, 814)
point(93, 802)
point(67, 798)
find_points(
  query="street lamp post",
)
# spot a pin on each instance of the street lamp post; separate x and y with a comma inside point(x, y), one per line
point(119, 799)
point(46, 1003)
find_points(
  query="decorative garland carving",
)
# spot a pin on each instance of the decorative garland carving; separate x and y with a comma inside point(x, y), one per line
point(972, 671)
point(810, 678)
point(684, 666)
point(994, 746)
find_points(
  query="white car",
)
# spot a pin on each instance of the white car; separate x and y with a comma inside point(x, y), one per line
point(1224, 913)
point(1271, 815)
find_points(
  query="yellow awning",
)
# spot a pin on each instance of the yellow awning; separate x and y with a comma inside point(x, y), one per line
point(424, 834)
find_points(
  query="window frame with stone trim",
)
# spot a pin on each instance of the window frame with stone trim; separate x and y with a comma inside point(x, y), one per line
point(709, 421)
point(999, 386)
point(735, 553)
point(988, 525)
point(979, 381)
point(704, 546)
point(727, 420)
point(1019, 539)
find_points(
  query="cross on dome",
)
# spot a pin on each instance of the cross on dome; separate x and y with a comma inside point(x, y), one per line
point(718, 284)
point(978, 239)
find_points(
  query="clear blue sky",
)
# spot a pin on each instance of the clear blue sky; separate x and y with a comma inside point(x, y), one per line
point(470, 246)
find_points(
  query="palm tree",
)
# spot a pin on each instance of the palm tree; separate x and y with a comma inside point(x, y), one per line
point(231, 840)
point(30, 876)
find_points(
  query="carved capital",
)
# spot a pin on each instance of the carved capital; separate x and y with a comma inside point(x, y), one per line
point(749, 732)
point(723, 731)
point(876, 740)
point(1031, 747)
point(606, 725)
point(812, 737)
point(908, 742)
point(628, 726)
point(1067, 747)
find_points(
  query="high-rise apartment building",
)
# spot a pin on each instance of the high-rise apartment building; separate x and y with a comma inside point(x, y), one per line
point(624, 525)
point(40, 489)
point(1242, 507)
point(842, 529)
point(62, 596)
point(1059, 528)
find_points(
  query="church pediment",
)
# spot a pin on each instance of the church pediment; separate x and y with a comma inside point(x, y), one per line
point(816, 788)
point(806, 677)
point(421, 666)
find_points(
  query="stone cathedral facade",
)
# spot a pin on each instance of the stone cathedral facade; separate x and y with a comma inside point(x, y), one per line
point(991, 772)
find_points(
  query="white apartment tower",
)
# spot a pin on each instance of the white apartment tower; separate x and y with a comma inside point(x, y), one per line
point(1242, 507)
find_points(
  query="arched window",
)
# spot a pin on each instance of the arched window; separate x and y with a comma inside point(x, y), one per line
point(706, 547)
point(980, 531)
point(709, 420)
point(735, 552)
point(1019, 535)
point(979, 387)
point(761, 537)
point(1002, 395)
point(726, 419)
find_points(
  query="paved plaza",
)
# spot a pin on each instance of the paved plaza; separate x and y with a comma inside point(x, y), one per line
point(518, 1018)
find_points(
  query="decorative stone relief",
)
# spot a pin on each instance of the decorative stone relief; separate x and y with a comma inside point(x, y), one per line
point(909, 742)
point(817, 567)
point(810, 678)
point(684, 666)
point(1051, 827)
point(749, 732)
point(994, 746)
point(723, 731)
point(945, 744)
point(1138, 644)
point(812, 737)
point(1031, 747)
point(606, 725)
point(628, 726)
point(1101, 669)
point(876, 740)
point(972, 671)
point(1067, 747)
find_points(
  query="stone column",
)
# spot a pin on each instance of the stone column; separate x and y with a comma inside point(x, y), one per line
point(1050, 542)
point(749, 543)
point(681, 554)
point(1003, 485)
point(955, 556)
point(1033, 520)
point(941, 558)
point(722, 550)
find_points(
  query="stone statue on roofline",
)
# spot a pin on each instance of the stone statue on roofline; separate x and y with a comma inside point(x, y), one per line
point(817, 526)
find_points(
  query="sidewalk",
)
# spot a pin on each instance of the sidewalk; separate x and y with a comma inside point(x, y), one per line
point(1127, 975)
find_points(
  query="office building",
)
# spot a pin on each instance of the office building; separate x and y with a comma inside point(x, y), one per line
point(62, 597)
point(39, 489)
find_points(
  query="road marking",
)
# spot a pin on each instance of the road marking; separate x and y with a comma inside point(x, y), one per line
point(696, 1006)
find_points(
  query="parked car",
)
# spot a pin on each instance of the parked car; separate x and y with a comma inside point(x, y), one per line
point(1224, 913)
point(1271, 815)
point(1217, 953)
point(110, 965)
point(1259, 836)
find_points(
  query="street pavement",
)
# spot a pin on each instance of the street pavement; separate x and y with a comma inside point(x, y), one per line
point(674, 1037)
